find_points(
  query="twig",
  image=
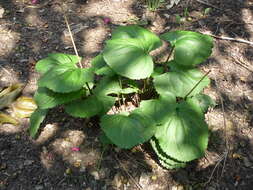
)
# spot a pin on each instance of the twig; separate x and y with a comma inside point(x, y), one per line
point(225, 154)
point(245, 66)
point(208, 4)
point(216, 165)
point(74, 46)
point(196, 84)
point(225, 132)
point(72, 39)
point(5, 70)
point(131, 177)
point(170, 54)
point(231, 39)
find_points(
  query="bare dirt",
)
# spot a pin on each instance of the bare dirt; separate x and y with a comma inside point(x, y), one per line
point(28, 32)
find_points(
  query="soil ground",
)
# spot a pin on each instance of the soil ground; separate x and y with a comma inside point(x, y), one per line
point(28, 32)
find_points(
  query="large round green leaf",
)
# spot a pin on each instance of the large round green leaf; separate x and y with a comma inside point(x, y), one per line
point(158, 109)
point(191, 48)
point(66, 78)
point(46, 98)
point(128, 57)
point(185, 134)
point(53, 59)
point(91, 106)
point(149, 40)
point(126, 130)
point(180, 83)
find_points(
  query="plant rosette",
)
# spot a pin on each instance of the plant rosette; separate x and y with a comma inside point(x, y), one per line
point(171, 106)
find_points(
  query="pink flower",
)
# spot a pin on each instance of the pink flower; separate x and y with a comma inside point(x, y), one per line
point(34, 1)
point(75, 149)
point(107, 20)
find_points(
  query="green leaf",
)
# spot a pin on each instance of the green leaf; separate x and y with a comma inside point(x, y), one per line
point(149, 40)
point(46, 64)
point(158, 109)
point(129, 90)
point(191, 48)
point(181, 82)
point(185, 134)
point(157, 71)
point(104, 139)
point(46, 98)
point(66, 78)
point(126, 130)
point(128, 57)
point(108, 85)
point(35, 120)
point(91, 106)
point(164, 159)
point(201, 102)
point(100, 66)
point(128, 51)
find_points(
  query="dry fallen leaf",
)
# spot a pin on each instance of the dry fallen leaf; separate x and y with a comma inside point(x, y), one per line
point(4, 118)
point(24, 107)
point(9, 94)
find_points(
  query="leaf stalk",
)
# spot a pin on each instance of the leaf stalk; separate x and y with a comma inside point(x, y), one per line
point(196, 85)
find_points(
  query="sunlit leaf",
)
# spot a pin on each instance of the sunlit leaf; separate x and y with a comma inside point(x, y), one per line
point(149, 40)
point(128, 52)
point(128, 130)
point(181, 82)
point(191, 48)
point(54, 59)
point(127, 57)
point(66, 78)
point(185, 134)
point(158, 109)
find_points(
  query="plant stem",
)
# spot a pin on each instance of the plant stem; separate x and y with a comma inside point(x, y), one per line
point(122, 95)
point(196, 85)
point(74, 46)
point(171, 51)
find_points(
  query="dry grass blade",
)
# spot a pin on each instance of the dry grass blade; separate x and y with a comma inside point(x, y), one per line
point(131, 177)
point(225, 154)
point(72, 39)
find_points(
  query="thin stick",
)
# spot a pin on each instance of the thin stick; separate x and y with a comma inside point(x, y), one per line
point(196, 84)
point(225, 132)
point(72, 39)
point(171, 51)
point(5, 70)
point(231, 39)
point(131, 177)
point(216, 165)
point(208, 4)
point(74, 46)
point(245, 66)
